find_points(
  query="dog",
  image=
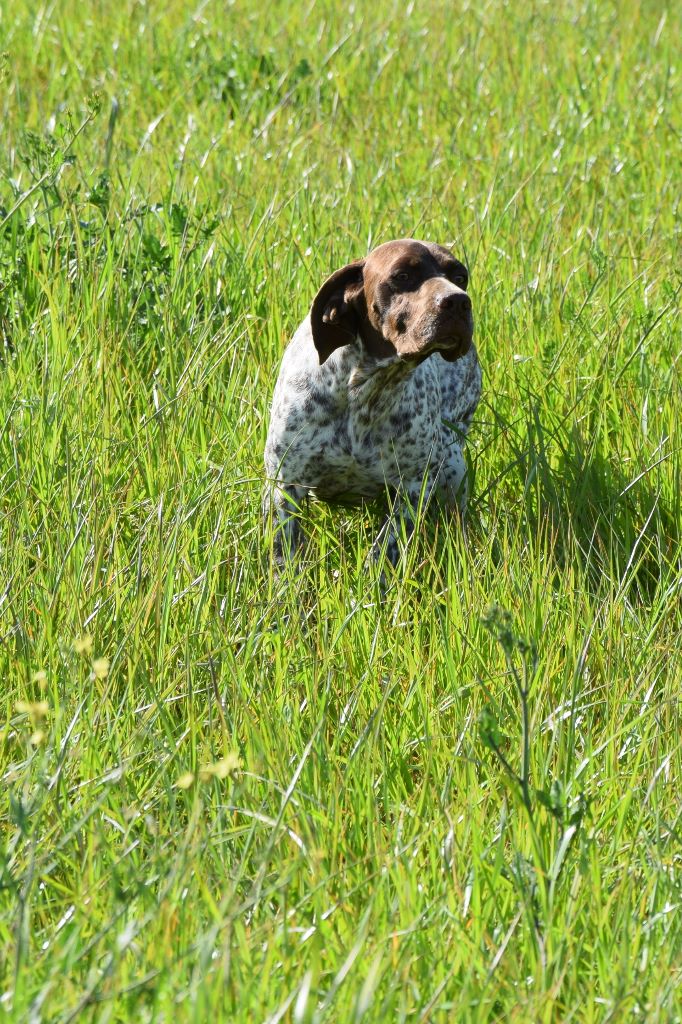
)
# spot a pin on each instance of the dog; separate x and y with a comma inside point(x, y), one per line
point(376, 392)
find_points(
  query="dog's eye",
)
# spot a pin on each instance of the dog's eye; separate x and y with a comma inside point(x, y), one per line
point(456, 273)
point(403, 279)
point(457, 276)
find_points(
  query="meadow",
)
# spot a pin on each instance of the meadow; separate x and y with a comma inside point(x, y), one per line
point(229, 796)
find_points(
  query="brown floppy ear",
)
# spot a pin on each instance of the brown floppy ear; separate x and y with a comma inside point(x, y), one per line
point(335, 312)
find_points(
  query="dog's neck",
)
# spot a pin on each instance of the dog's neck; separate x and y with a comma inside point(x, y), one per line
point(375, 383)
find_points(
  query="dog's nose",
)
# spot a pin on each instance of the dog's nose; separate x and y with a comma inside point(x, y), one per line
point(456, 302)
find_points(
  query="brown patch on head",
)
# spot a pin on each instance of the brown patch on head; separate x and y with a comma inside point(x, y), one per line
point(407, 298)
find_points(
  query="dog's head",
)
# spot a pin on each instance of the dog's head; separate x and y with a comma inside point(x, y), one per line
point(406, 298)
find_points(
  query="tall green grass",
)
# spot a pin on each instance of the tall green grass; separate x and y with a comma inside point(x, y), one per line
point(227, 796)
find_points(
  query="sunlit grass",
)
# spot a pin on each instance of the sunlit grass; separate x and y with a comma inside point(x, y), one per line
point(228, 795)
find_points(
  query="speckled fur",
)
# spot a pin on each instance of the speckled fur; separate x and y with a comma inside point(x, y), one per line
point(360, 423)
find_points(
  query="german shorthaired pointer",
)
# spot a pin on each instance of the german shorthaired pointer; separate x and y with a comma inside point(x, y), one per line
point(376, 390)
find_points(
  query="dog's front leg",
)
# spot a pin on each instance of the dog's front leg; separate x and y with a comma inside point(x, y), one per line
point(454, 480)
point(409, 500)
point(281, 506)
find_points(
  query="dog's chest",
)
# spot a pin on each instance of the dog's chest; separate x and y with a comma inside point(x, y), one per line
point(378, 436)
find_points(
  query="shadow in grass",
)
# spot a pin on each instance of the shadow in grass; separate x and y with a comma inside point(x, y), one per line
point(619, 519)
